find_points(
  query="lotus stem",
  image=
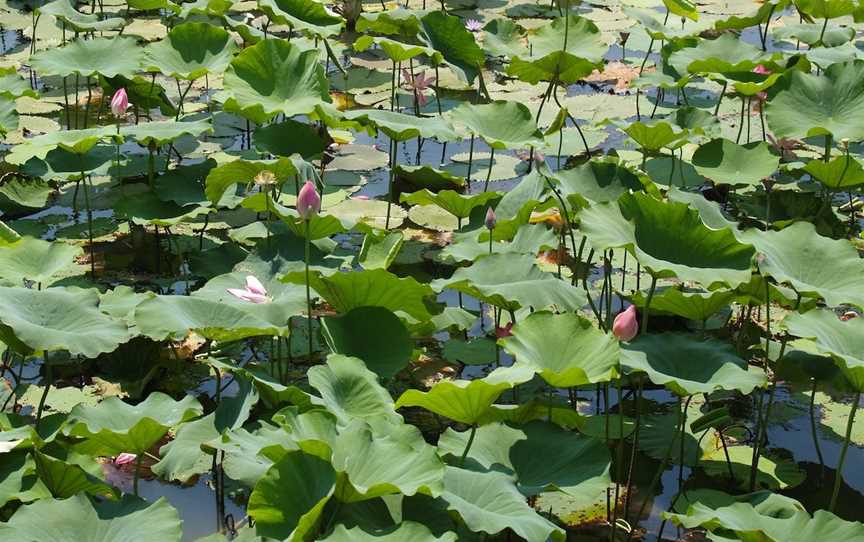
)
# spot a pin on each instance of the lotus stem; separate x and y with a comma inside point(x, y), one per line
point(620, 456)
point(49, 380)
point(838, 476)
point(720, 98)
point(390, 182)
point(680, 466)
point(741, 120)
point(489, 173)
point(813, 432)
point(307, 243)
point(470, 163)
point(137, 474)
point(634, 448)
point(644, 329)
point(468, 445)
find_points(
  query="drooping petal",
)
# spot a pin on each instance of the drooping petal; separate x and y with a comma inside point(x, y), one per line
point(254, 285)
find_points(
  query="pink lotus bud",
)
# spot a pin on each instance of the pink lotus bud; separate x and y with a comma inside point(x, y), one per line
point(626, 325)
point(490, 219)
point(125, 458)
point(119, 103)
point(308, 201)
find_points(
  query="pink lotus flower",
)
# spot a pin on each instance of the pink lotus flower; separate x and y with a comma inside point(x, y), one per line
point(308, 201)
point(761, 70)
point(254, 291)
point(491, 220)
point(473, 25)
point(501, 332)
point(125, 458)
point(119, 103)
point(626, 325)
point(418, 84)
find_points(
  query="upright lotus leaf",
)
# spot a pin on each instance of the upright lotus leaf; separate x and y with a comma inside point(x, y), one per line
point(8, 236)
point(113, 426)
point(61, 319)
point(373, 334)
point(529, 239)
point(682, 8)
point(108, 57)
point(13, 86)
point(656, 29)
point(843, 341)
point(428, 177)
point(372, 288)
point(249, 454)
point(350, 391)
point(513, 281)
point(841, 173)
point(406, 530)
point(396, 51)
point(502, 124)
point(290, 137)
point(74, 141)
point(77, 519)
point(726, 162)
point(164, 132)
point(580, 466)
point(272, 77)
point(503, 37)
point(726, 54)
point(447, 35)
point(466, 401)
point(458, 205)
point(691, 304)
point(600, 181)
point(377, 464)
point(145, 209)
point(560, 53)
point(788, 255)
point(806, 105)
point(38, 261)
point(304, 15)
point(669, 239)
point(379, 251)
point(667, 359)
point(565, 349)
point(8, 116)
point(287, 502)
point(489, 502)
point(827, 9)
point(75, 21)
point(243, 172)
point(64, 479)
point(191, 50)
point(401, 126)
point(396, 21)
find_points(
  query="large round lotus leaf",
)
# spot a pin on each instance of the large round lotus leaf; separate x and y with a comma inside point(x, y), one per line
point(272, 77)
point(652, 136)
point(459, 205)
point(843, 341)
point(447, 35)
point(557, 65)
point(841, 173)
point(728, 53)
point(287, 502)
point(726, 162)
point(828, 9)
point(580, 467)
point(396, 51)
point(75, 21)
point(668, 360)
point(427, 177)
point(77, 519)
point(669, 239)
point(810, 263)
point(808, 105)
point(401, 126)
point(812, 33)
point(349, 390)
point(61, 319)
point(191, 50)
point(501, 124)
point(373, 334)
point(599, 181)
point(653, 26)
point(529, 239)
point(147, 209)
point(392, 21)
point(407, 530)
point(693, 305)
point(465, 401)
point(511, 282)
point(64, 479)
point(583, 39)
point(38, 261)
point(489, 502)
point(305, 15)
point(565, 349)
point(75, 141)
point(164, 132)
point(503, 37)
point(113, 426)
point(108, 57)
point(249, 454)
point(289, 137)
point(381, 464)
point(771, 472)
point(243, 172)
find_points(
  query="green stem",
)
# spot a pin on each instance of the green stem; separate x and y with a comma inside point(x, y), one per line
point(49, 379)
point(648, 305)
point(308, 290)
point(136, 475)
point(489, 173)
point(468, 445)
point(838, 475)
point(813, 432)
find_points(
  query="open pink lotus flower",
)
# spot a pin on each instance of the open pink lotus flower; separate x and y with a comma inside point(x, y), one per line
point(125, 458)
point(473, 25)
point(626, 325)
point(254, 291)
point(418, 84)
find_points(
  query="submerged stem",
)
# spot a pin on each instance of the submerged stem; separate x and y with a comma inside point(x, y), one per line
point(838, 475)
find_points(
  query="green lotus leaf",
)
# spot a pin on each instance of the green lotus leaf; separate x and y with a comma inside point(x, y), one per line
point(806, 105)
point(64, 479)
point(503, 37)
point(108, 57)
point(599, 182)
point(557, 65)
point(12, 85)
point(74, 141)
point(489, 502)
point(398, 20)
point(511, 282)
point(459, 205)
point(272, 77)
point(812, 34)
point(788, 255)
point(304, 15)
point(164, 132)
point(27, 193)
point(113, 427)
point(401, 126)
point(841, 173)
point(18, 480)
point(726, 162)
point(74, 20)
point(407, 530)
point(288, 501)
point(502, 124)
point(465, 401)
point(726, 54)
point(214, 8)
point(427, 177)
point(8, 236)
point(653, 136)
point(669, 239)
point(379, 251)
point(147, 209)
point(243, 172)
point(682, 8)
point(8, 116)
point(529, 239)
point(191, 50)
point(580, 468)
point(667, 359)
point(382, 464)
point(693, 305)
point(350, 391)
point(660, 433)
point(61, 319)
point(653, 26)
point(765, 10)
point(584, 40)
point(249, 454)
point(396, 51)
point(289, 137)
point(827, 9)
point(373, 334)
point(565, 349)
point(843, 341)
point(38, 261)
point(771, 472)
point(447, 35)
point(77, 518)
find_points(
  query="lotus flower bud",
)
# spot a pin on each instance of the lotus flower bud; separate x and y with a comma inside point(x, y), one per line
point(308, 201)
point(119, 103)
point(491, 220)
point(626, 325)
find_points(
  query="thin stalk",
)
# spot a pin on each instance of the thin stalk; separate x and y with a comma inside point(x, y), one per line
point(390, 182)
point(89, 224)
point(720, 98)
point(619, 460)
point(648, 305)
point(308, 289)
point(813, 432)
point(489, 173)
point(633, 451)
point(470, 162)
point(49, 380)
point(838, 476)
point(136, 475)
point(741, 120)
point(468, 445)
